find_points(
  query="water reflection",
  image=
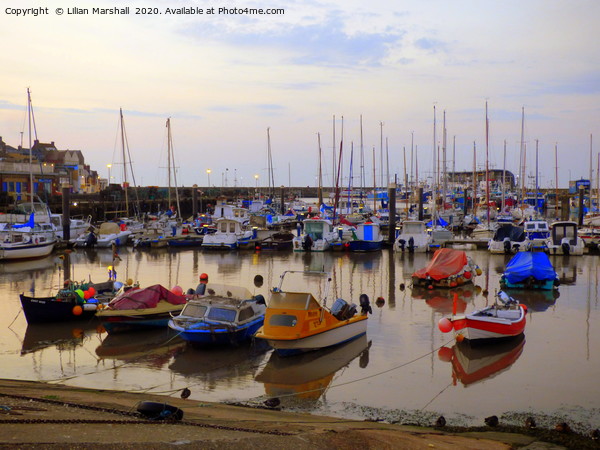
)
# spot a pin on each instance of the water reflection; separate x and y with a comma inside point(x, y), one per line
point(535, 299)
point(150, 348)
point(474, 363)
point(442, 300)
point(307, 376)
point(62, 336)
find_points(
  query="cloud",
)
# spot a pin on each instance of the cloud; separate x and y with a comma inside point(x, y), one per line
point(325, 43)
point(431, 45)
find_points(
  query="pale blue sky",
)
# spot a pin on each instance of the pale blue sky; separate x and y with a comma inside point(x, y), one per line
point(223, 79)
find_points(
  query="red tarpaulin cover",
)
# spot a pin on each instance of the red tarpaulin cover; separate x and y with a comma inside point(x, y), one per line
point(145, 298)
point(445, 262)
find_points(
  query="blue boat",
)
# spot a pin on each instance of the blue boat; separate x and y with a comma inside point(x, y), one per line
point(367, 238)
point(224, 315)
point(529, 270)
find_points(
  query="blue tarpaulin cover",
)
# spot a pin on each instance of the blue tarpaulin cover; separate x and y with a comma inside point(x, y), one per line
point(526, 264)
point(439, 221)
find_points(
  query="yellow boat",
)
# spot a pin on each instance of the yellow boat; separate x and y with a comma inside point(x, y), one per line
point(296, 322)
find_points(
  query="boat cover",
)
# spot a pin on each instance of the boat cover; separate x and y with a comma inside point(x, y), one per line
point(510, 231)
point(526, 264)
point(439, 221)
point(445, 262)
point(145, 298)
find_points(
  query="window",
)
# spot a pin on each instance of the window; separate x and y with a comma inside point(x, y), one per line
point(283, 320)
point(232, 227)
point(245, 314)
point(222, 314)
point(194, 310)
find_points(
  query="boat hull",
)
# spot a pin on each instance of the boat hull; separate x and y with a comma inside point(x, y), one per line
point(327, 338)
point(48, 310)
point(364, 246)
point(26, 251)
point(218, 334)
point(481, 328)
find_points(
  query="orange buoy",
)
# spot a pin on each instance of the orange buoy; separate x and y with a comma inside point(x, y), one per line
point(77, 310)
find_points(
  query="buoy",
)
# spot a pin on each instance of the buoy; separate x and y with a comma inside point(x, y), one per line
point(445, 354)
point(92, 291)
point(80, 293)
point(203, 276)
point(467, 275)
point(177, 290)
point(380, 302)
point(77, 310)
point(445, 325)
point(460, 338)
point(129, 281)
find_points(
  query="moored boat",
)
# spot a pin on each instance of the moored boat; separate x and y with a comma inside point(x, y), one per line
point(413, 237)
point(506, 319)
point(367, 238)
point(448, 268)
point(529, 270)
point(507, 239)
point(296, 322)
point(564, 239)
point(224, 315)
point(318, 236)
point(76, 301)
point(136, 309)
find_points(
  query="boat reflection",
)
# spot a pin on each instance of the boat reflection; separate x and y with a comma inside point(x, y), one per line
point(219, 364)
point(535, 299)
point(306, 376)
point(441, 300)
point(474, 363)
point(60, 335)
point(150, 348)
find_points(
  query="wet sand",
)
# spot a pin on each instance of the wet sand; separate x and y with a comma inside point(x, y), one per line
point(40, 415)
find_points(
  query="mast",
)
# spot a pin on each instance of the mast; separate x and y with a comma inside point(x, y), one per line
point(591, 173)
point(381, 154)
point(30, 150)
point(270, 165)
point(503, 176)
point(169, 161)
point(171, 158)
point(444, 169)
point(412, 140)
point(339, 169)
point(522, 155)
point(387, 164)
point(374, 184)
point(537, 141)
point(362, 160)
point(556, 180)
point(125, 183)
point(487, 157)
point(474, 178)
point(320, 189)
point(333, 167)
point(434, 173)
point(405, 181)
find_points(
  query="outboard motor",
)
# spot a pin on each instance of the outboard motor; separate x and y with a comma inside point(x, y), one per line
point(260, 300)
point(91, 240)
point(401, 243)
point(365, 304)
point(506, 243)
point(566, 247)
point(307, 243)
point(411, 244)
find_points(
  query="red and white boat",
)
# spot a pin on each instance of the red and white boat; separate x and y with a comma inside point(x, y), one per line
point(501, 320)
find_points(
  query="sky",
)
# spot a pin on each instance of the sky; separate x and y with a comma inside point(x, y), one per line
point(224, 79)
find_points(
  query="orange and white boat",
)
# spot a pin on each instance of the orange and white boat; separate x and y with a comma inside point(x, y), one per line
point(296, 322)
point(498, 321)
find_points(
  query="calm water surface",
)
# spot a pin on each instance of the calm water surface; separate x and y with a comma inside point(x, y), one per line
point(397, 373)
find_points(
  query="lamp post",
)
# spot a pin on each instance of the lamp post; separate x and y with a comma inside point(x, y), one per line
point(108, 167)
point(256, 179)
point(208, 171)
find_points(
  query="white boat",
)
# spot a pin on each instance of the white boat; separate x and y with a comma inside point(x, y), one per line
point(228, 236)
point(28, 242)
point(413, 238)
point(108, 234)
point(318, 236)
point(537, 232)
point(508, 238)
point(564, 239)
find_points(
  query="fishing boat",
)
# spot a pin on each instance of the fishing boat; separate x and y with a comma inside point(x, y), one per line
point(366, 238)
point(529, 270)
point(296, 321)
point(564, 239)
point(503, 319)
point(229, 235)
point(76, 301)
point(507, 239)
point(471, 364)
point(282, 240)
point(224, 315)
point(413, 238)
point(318, 236)
point(448, 268)
point(137, 309)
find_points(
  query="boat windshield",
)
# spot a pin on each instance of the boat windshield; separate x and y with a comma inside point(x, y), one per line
point(222, 314)
point(194, 310)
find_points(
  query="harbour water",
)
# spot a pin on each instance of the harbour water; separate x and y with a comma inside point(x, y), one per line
point(404, 370)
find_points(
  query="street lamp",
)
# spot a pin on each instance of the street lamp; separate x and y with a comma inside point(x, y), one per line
point(256, 178)
point(208, 171)
point(109, 166)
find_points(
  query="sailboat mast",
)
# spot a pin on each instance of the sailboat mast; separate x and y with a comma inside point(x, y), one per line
point(522, 155)
point(30, 150)
point(434, 174)
point(172, 167)
point(474, 178)
point(444, 168)
point(169, 160)
point(487, 158)
point(362, 160)
point(320, 190)
point(125, 184)
point(374, 184)
point(381, 185)
point(556, 180)
point(537, 142)
point(503, 177)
